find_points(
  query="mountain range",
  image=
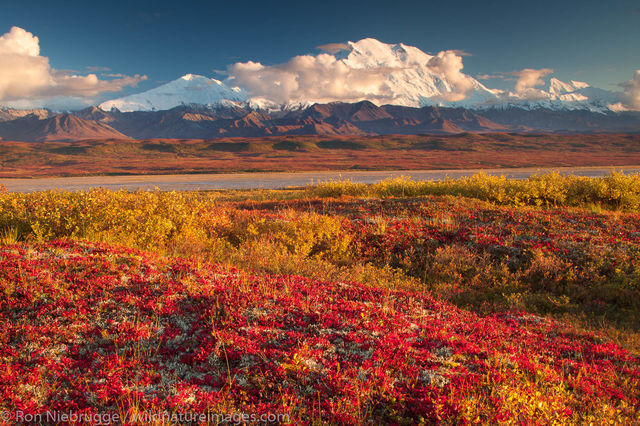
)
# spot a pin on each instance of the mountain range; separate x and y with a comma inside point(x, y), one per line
point(406, 91)
point(361, 118)
point(385, 74)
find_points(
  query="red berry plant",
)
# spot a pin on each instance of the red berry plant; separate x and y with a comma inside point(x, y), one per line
point(93, 328)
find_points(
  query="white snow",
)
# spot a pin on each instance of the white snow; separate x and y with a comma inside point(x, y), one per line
point(559, 95)
point(410, 77)
point(188, 89)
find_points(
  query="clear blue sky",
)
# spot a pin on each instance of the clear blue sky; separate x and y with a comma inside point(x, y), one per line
point(593, 41)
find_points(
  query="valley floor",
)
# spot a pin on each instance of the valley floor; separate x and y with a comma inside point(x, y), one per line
point(316, 153)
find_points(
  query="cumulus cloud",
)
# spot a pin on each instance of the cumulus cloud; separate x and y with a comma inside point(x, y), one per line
point(89, 85)
point(22, 70)
point(20, 42)
point(528, 79)
point(321, 78)
point(325, 78)
point(24, 73)
point(449, 65)
point(631, 95)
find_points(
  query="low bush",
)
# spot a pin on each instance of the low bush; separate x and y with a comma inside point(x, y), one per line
point(615, 191)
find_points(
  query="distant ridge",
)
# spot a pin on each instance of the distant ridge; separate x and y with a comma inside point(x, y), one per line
point(336, 118)
point(61, 127)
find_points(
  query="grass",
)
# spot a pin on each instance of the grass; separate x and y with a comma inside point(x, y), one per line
point(9, 236)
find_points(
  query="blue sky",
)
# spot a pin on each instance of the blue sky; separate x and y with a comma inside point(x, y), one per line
point(593, 41)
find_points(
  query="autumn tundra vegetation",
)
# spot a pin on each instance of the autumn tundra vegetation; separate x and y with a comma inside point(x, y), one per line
point(316, 152)
point(476, 300)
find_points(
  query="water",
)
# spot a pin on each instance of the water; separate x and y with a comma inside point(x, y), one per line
point(271, 180)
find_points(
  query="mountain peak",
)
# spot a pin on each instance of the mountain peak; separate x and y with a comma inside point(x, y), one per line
point(186, 90)
point(557, 87)
point(370, 52)
point(580, 84)
point(61, 127)
point(393, 74)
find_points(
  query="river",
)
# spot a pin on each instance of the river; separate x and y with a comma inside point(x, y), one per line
point(271, 180)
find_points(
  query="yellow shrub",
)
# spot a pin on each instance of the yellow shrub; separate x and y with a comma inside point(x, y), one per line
point(616, 190)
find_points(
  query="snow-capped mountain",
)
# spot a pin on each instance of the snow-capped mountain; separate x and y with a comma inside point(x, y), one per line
point(561, 96)
point(404, 75)
point(385, 74)
point(559, 88)
point(189, 89)
point(414, 78)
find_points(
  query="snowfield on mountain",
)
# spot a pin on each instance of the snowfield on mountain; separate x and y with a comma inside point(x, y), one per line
point(400, 75)
point(188, 89)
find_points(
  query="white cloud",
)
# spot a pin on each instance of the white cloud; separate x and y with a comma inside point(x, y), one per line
point(24, 74)
point(88, 85)
point(22, 70)
point(321, 78)
point(324, 78)
point(449, 64)
point(528, 79)
point(19, 42)
point(631, 96)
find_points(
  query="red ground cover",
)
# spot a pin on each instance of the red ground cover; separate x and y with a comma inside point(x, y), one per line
point(93, 328)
